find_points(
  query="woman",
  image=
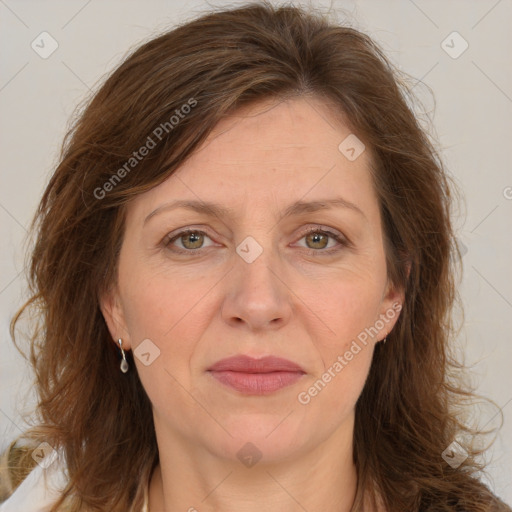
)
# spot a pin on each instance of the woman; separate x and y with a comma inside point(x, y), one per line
point(244, 270)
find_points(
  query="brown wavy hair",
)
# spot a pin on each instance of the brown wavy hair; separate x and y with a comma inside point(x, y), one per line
point(408, 412)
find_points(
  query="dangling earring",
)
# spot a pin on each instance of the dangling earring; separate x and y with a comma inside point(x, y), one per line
point(384, 340)
point(124, 363)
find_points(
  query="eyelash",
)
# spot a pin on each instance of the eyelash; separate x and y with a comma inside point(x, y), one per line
point(314, 252)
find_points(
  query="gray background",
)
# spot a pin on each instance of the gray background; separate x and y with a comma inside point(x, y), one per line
point(471, 113)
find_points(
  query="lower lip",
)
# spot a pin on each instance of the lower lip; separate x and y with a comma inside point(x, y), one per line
point(257, 383)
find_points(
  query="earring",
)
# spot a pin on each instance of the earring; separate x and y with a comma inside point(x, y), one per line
point(384, 340)
point(124, 363)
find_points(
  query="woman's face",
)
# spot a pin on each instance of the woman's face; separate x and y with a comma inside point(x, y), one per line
point(251, 280)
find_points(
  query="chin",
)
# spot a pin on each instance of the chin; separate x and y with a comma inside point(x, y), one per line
point(264, 437)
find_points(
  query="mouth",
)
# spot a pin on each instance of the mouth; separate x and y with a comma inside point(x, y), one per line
point(252, 376)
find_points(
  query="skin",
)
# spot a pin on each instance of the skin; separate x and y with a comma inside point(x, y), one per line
point(295, 301)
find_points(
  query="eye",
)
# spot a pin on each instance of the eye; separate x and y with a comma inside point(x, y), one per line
point(317, 240)
point(191, 240)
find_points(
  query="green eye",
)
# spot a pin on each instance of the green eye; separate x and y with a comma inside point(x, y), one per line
point(317, 241)
point(191, 240)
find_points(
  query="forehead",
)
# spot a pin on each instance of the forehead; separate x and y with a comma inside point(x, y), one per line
point(279, 150)
point(304, 124)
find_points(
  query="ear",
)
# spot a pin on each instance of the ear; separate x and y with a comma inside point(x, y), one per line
point(112, 310)
point(391, 305)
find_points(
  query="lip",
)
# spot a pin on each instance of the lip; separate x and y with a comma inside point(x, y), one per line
point(252, 376)
point(247, 364)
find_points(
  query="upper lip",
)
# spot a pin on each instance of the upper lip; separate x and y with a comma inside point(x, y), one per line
point(247, 364)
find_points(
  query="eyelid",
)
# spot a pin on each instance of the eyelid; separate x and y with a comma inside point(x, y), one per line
point(339, 237)
point(175, 235)
point(342, 240)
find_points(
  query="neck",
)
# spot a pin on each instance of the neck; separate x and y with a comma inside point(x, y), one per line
point(192, 479)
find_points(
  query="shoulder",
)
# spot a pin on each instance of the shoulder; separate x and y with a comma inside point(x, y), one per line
point(38, 489)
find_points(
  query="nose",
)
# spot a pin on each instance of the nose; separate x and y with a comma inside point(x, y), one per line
point(257, 297)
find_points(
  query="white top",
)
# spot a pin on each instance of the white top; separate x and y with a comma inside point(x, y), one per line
point(42, 488)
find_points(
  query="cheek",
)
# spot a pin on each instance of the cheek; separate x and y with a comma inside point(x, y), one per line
point(168, 310)
point(332, 397)
point(153, 300)
point(349, 306)
point(328, 398)
point(350, 309)
point(161, 309)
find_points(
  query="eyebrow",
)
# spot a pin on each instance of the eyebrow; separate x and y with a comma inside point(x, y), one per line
point(217, 210)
